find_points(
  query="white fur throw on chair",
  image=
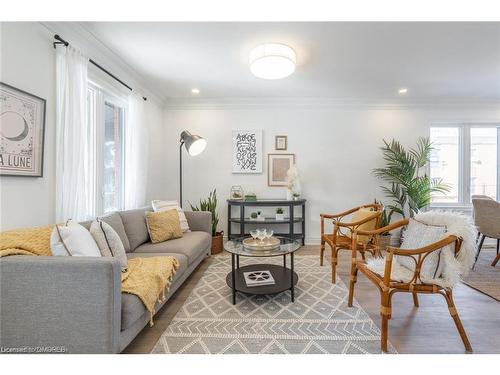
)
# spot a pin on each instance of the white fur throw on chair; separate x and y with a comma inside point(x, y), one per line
point(452, 268)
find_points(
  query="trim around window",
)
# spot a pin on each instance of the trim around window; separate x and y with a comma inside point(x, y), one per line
point(464, 164)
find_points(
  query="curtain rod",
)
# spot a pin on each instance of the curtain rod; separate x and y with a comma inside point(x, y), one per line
point(65, 43)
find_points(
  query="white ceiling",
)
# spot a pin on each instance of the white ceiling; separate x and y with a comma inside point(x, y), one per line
point(355, 61)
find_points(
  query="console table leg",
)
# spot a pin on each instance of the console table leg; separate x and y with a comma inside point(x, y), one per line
point(237, 261)
point(233, 278)
point(284, 261)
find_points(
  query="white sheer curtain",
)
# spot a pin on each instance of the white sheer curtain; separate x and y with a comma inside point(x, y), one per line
point(74, 172)
point(136, 153)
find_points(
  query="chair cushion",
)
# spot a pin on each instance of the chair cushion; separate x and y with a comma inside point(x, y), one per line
point(361, 214)
point(192, 244)
point(418, 235)
point(132, 307)
point(134, 222)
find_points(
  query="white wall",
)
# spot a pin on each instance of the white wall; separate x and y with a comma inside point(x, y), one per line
point(28, 62)
point(335, 148)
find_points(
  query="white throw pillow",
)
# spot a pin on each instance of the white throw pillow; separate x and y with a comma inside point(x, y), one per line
point(418, 235)
point(109, 242)
point(73, 239)
point(172, 205)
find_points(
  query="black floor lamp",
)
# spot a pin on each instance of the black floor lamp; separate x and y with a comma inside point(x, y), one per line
point(194, 146)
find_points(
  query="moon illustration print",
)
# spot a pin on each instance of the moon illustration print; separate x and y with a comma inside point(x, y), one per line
point(247, 151)
point(22, 122)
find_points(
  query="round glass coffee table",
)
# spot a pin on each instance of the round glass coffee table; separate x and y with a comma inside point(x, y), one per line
point(284, 278)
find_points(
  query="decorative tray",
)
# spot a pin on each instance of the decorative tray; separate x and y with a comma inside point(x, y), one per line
point(264, 245)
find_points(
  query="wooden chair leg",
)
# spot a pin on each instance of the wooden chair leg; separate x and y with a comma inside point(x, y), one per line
point(354, 278)
point(322, 252)
point(415, 299)
point(454, 314)
point(385, 313)
point(334, 264)
point(496, 260)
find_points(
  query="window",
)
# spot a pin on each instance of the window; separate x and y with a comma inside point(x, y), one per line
point(467, 158)
point(106, 114)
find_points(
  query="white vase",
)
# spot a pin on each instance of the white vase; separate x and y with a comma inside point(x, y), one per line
point(289, 195)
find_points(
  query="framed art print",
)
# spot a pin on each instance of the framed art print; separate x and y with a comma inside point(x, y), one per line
point(281, 143)
point(277, 166)
point(22, 123)
point(247, 151)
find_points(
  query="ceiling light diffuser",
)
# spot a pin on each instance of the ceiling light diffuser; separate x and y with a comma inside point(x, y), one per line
point(195, 91)
point(403, 90)
point(272, 61)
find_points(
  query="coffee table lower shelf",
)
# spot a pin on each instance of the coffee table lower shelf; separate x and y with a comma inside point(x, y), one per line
point(282, 277)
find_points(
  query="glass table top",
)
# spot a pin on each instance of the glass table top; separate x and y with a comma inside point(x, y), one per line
point(287, 246)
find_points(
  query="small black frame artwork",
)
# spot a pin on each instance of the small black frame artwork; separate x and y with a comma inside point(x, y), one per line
point(22, 133)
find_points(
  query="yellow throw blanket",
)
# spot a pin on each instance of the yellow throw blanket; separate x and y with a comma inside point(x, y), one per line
point(147, 278)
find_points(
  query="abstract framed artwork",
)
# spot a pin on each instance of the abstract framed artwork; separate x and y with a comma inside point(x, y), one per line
point(247, 151)
point(277, 166)
point(22, 127)
point(281, 143)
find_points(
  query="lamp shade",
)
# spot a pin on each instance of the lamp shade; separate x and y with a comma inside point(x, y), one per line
point(272, 61)
point(194, 143)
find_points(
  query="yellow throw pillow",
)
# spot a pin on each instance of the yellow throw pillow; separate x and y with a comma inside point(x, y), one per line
point(361, 214)
point(163, 225)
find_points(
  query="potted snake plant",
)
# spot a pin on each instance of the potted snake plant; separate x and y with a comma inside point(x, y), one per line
point(210, 205)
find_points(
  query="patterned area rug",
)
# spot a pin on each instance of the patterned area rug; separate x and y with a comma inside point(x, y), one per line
point(484, 277)
point(319, 321)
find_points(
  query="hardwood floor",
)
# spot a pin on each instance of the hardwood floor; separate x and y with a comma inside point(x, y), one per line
point(426, 329)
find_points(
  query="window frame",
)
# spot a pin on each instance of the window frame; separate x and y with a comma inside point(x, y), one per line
point(104, 94)
point(464, 162)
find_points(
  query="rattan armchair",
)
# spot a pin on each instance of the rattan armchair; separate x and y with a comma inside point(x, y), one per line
point(341, 236)
point(388, 286)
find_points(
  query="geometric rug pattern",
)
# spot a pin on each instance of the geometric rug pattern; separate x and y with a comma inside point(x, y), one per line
point(319, 321)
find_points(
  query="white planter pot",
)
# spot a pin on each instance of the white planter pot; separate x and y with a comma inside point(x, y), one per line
point(280, 217)
point(289, 195)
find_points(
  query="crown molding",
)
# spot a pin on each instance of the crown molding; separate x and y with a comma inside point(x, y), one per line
point(77, 34)
point(340, 104)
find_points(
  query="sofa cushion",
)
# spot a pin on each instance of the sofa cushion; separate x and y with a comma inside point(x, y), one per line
point(134, 222)
point(192, 244)
point(116, 223)
point(132, 307)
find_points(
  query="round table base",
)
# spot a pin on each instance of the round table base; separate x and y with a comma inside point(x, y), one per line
point(282, 277)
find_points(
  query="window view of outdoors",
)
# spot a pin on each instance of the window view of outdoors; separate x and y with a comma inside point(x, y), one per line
point(445, 162)
point(484, 168)
point(112, 157)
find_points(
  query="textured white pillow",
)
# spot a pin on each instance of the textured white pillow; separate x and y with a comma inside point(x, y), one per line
point(418, 235)
point(172, 205)
point(109, 242)
point(73, 239)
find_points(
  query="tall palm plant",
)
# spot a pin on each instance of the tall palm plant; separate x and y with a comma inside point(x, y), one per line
point(409, 187)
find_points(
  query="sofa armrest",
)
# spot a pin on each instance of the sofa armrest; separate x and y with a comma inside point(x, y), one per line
point(199, 221)
point(73, 303)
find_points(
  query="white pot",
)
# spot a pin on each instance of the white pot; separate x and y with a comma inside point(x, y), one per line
point(280, 217)
point(289, 195)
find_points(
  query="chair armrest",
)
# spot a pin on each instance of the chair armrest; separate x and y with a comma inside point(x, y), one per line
point(199, 221)
point(359, 222)
point(341, 214)
point(426, 249)
point(387, 228)
point(69, 302)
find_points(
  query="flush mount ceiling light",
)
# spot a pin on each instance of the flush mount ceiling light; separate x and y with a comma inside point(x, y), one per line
point(195, 91)
point(403, 91)
point(272, 61)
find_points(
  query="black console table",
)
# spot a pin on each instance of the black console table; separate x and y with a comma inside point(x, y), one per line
point(291, 220)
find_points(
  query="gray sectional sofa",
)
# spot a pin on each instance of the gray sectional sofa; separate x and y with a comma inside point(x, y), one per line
point(76, 302)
